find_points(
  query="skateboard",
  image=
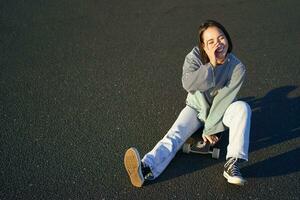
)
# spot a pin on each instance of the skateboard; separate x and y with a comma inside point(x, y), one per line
point(199, 146)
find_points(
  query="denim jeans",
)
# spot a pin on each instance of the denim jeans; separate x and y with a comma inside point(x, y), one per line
point(237, 118)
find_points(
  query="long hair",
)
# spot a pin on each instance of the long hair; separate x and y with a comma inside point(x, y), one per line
point(210, 23)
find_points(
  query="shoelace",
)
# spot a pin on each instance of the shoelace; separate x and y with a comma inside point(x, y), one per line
point(233, 168)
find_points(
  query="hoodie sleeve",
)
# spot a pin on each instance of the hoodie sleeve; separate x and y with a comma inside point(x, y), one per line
point(223, 99)
point(196, 76)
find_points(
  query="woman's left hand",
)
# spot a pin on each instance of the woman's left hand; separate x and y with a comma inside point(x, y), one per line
point(212, 139)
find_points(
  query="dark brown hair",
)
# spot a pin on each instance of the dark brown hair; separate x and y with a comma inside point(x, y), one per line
point(210, 23)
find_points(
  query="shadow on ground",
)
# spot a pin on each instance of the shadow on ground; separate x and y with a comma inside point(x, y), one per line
point(275, 119)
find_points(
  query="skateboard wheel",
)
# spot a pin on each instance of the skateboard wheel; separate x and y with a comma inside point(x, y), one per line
point(186, 148)
point(215, 153)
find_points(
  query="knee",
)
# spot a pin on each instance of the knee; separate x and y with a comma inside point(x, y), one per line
point(242, 108)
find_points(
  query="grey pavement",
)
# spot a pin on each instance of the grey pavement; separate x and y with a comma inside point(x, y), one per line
point(81, 81)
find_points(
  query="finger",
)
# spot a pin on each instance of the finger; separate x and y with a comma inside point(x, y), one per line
point(204, 138)
point(215, 47)
point(213, 52)
point(216, 138)
point(210, 139)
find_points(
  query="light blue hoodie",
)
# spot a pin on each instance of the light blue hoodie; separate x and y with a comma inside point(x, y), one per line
point(211, 89)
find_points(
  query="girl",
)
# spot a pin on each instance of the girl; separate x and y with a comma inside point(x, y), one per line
point(212, 76)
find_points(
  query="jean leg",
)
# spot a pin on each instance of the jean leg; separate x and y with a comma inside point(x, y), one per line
point(238, 118)
point(164, 151)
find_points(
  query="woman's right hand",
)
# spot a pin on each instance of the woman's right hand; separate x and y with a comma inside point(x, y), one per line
point(211, 53)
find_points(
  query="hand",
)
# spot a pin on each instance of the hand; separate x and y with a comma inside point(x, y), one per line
point(211, 53)
point(212, 139)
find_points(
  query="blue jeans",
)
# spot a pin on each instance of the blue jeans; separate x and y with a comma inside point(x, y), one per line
point(237, 118)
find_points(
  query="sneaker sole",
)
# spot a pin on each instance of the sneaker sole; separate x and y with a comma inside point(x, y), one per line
point(234, 180)
point(132, 164)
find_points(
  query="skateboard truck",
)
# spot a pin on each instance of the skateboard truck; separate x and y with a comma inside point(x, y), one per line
point(200, 147)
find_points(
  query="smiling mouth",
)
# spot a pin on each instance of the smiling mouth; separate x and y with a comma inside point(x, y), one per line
point(220, 49)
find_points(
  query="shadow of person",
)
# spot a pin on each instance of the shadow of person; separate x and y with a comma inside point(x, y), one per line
point(283, 164)
point(275, 120)
point(275, 132)
point(275, 117)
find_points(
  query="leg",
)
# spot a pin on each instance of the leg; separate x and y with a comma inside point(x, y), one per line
point(164, 151)
point(237, 117)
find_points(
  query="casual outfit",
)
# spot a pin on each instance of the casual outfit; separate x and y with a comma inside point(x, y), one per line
point(211, 104)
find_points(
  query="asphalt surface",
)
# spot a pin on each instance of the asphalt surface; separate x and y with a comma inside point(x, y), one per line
point(81, 81)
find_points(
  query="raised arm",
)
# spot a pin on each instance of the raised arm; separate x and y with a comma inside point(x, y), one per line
point(195, 75)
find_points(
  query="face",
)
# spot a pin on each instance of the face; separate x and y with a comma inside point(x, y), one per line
point(214, 37)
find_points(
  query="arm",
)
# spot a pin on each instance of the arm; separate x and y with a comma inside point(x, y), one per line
point(197, 76)
point(224, 98)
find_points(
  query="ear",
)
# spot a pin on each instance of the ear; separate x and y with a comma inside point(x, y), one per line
point(202, 44)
